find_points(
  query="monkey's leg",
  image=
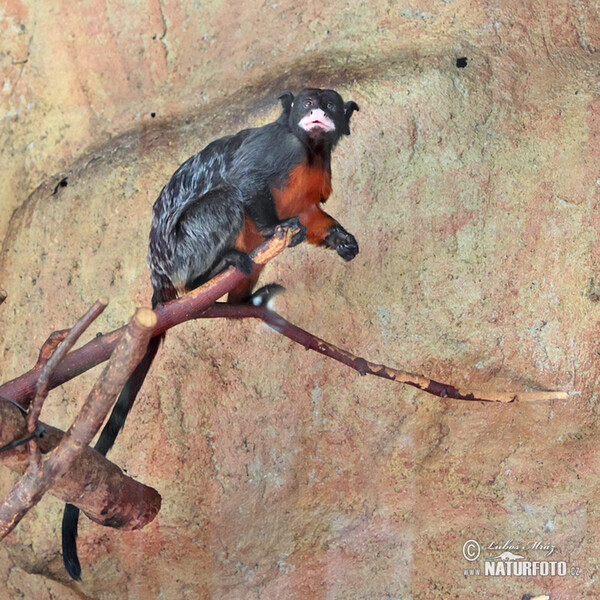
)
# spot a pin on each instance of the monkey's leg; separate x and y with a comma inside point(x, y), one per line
point(242, 292)
point(323, 229)
point(205, 236)
point(248, 239)
point(233, 258)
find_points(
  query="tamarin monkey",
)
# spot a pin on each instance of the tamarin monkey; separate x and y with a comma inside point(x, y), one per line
point(222, 203)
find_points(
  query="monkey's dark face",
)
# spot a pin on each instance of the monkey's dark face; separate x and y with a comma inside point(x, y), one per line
point(319, 116)
point(316, 112)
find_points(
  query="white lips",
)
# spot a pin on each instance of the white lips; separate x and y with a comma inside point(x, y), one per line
point(315, 121)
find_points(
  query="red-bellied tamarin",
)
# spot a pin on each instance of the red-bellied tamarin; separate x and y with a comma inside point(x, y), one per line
point(222, 203)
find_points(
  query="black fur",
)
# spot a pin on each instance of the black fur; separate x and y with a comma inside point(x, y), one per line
point(200, 212)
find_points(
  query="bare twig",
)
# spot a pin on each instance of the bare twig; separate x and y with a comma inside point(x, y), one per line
point(41, 388)
point(69, 340)
point(30, 489)
point(364, 367)
point(187, 307)
point(94, 484)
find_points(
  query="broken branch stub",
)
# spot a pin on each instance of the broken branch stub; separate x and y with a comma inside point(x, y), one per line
point(94, 484)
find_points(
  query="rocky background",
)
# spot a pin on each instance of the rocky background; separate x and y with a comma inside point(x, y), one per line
point(472, 182)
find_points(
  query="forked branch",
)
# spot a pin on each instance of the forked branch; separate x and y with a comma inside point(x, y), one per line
point(190, 306)
point(40, 477)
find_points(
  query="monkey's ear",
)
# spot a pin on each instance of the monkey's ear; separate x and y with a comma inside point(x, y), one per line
point(287, 99)
point(349, 108)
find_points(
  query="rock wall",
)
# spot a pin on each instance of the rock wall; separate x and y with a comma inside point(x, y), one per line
point(472, 187)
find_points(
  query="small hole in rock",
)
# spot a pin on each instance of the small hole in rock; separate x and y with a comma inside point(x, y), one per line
point(461, 62)
point(62, 183)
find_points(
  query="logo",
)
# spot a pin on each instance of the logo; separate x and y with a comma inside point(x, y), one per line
point(515, 559)
point(471, 550)
point(508, 556)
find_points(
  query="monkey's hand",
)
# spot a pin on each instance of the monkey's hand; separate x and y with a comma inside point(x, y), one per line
point(342, 242)
point(295, 225)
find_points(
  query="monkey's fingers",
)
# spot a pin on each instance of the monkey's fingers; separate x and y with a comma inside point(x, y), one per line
point(347, 250)
point(298, 237)
point(342, 242)
point(300, 230)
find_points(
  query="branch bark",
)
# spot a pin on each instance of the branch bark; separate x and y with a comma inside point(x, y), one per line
point(365, 367)
point(30, 489)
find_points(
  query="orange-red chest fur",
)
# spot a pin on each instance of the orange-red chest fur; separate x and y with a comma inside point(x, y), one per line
point(299, 196)
point(305, 188)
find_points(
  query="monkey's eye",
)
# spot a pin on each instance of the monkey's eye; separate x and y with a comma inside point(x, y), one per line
point(307, 103)
point(331, 106)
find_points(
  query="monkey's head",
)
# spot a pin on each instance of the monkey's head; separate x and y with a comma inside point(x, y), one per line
point(317, 116)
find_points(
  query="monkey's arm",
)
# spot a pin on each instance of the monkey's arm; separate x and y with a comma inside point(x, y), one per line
point(322, 229)
point(262, 212)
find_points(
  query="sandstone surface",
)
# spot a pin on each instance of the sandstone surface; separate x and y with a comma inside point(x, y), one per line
point(473, 187)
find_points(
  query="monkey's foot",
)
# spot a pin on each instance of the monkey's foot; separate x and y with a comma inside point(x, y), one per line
point(235, 258)
point(265, 294)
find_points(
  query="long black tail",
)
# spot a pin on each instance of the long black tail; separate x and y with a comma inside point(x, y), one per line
point(103, 445)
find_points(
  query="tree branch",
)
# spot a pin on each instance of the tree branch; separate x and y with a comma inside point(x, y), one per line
point(41, 388)
point(195, 304)
point(94, 484)
point(30, 489)
point(363, 366)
